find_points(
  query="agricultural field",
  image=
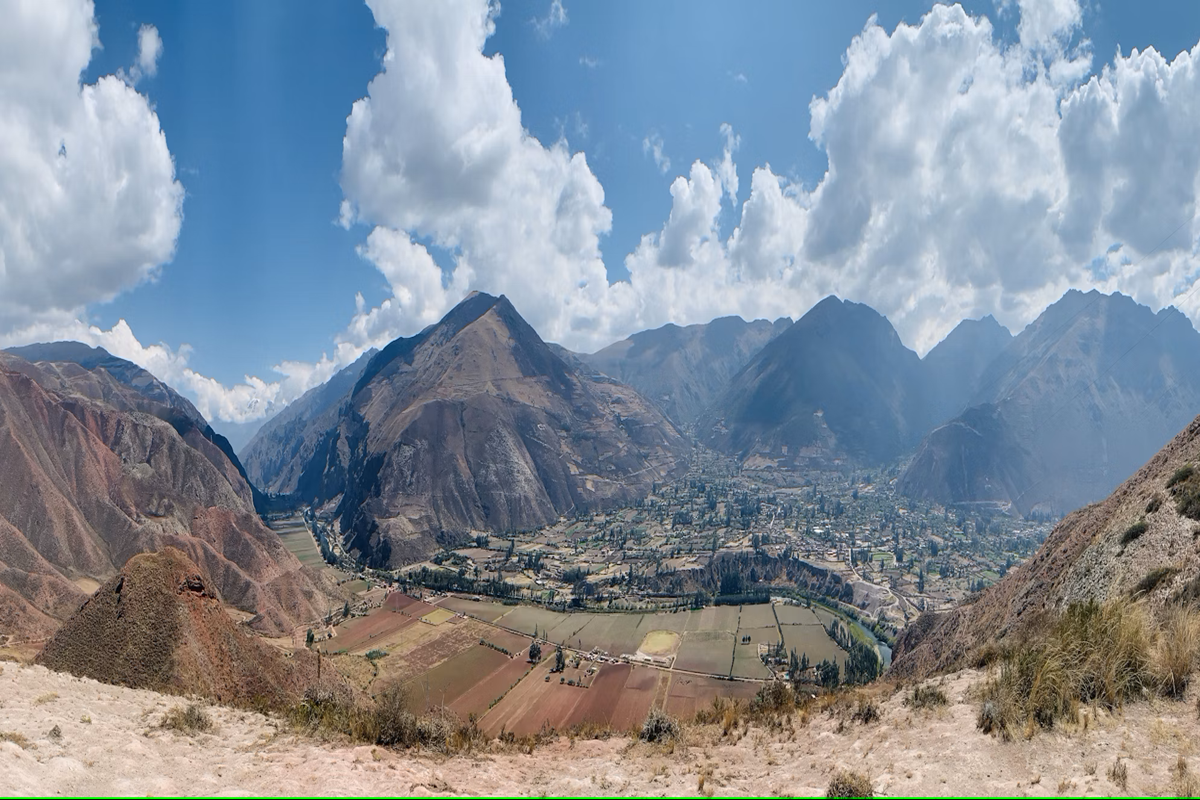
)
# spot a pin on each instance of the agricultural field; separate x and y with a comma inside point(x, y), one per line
point(446, 655)
point(691, 693)
point(706, 651)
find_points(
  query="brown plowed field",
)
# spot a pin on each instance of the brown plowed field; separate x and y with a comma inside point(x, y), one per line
point(757, 616)
point(377, 630)
point(620, 696)
point(478, 699)
point(457, 675)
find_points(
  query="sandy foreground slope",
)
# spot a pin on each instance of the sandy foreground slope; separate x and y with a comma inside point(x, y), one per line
point(121, 751)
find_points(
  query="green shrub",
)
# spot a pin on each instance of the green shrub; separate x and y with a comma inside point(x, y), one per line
point(1154, 504)
point(1152, 579)
point(1182, 474)
point(1134, 531)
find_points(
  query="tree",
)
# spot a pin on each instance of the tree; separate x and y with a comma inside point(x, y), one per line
point(535, 653)
point(560, 661)
point(346, 610)
point(921, 581)
point(308, 639)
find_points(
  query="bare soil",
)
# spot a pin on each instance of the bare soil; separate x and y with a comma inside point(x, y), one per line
point(110, 743)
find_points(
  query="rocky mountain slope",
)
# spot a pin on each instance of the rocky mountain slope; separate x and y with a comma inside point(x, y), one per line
point(1070, 408)
point(159, 625)
point(103, 462)
point(683, 369)
point(838, 384)
point(475, 424)
point(285, 443)
point(1139, 542)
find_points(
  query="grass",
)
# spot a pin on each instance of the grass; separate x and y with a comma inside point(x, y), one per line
point(1091, 654)
point(660, 727)
point(1152, 579)
point(1118, 773)
point(190, 720)
point(48, 697)
point(1185, 488)
point(926, 697)
point(848, 783)
point(16, 738)
point(388, 721)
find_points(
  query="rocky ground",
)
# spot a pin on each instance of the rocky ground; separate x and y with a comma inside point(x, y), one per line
point(109, 741)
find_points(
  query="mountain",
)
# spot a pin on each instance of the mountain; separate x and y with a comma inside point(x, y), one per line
point(837, 385)
point(475, 424)
point(683, 369)
point(102, 462)
point(954, 368)
point(1139, 542)
point(1071, 407)
point(285, 443)
point(158, 624)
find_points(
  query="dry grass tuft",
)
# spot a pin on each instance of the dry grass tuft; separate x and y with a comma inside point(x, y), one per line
point(848, 783)
point(1118, 773)
point(190, 720)
point(1176, 650)
point(926, 697)
point(660, 727)
point(16, 738)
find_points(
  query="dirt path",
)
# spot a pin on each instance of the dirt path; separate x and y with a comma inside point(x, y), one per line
point(121, 751)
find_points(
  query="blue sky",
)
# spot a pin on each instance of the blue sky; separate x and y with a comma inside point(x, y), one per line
point(253, 101)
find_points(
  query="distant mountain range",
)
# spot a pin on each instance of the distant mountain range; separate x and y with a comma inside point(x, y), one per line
point(102, 461)
point(682, 370)
point(475, 424)
point(1077, 402)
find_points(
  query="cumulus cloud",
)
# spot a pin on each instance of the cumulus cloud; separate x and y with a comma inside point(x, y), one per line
point(89, 204)
point(965, 177)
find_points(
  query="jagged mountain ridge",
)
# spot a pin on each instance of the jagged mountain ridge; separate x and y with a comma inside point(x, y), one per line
point(1078, 400)
point(94, 475)
point(476, 424)
point(684, 369)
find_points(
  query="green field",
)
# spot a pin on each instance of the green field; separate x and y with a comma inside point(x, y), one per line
point(299, 542)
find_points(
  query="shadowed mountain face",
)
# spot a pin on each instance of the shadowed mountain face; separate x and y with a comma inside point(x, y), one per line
point(954, 369)
point(473, 424)
point(1140, 541)
point(1070, 408)
point(102, 462)
point(683, 369)
point(285, 443)
point(837, 385)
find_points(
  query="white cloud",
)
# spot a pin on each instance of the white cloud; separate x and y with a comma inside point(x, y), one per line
point(591, 62)
point(652, 146)
point(556, 17)
point(89, 204)
point(964, 177)
point(149, 49)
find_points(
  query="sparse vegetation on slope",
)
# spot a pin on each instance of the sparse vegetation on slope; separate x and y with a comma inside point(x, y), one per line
point(848, 783)
point(1092, 654)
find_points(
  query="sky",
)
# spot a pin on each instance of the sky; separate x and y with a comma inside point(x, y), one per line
point(244, 197)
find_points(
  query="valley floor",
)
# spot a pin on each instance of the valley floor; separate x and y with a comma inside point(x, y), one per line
point(109, 743)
